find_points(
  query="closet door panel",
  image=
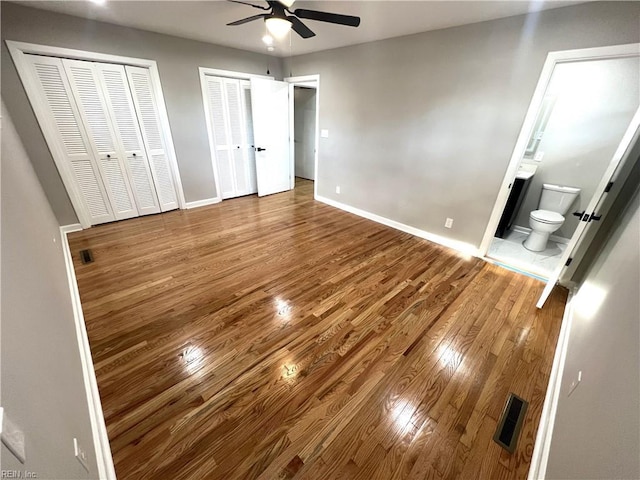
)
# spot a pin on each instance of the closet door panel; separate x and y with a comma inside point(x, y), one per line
point(148, 118)
point(115, 87)
point(92, 107)
point(61, 112)
point(237, 136)
point(249, 148)
point(217, 109)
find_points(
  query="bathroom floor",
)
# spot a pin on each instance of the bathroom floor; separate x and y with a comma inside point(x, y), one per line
point(511, 251)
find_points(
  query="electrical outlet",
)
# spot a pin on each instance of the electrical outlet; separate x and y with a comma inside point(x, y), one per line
point(575, 383)
point(80, 454)
point(338, 189)
point(448, 223)
point(538, 156)
point(12, 437)
point(324, 133)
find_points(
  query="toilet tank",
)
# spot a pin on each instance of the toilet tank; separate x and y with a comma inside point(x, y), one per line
point(557, 198)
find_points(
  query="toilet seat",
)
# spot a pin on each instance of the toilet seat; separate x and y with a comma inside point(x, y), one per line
point(547, 216)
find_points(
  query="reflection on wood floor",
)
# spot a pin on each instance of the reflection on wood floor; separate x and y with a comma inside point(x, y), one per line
point(281, 338)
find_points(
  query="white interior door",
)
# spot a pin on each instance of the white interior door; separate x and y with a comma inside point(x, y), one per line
point(270, 110)
point(593, 211)
point(92, 108)
point(60, 115)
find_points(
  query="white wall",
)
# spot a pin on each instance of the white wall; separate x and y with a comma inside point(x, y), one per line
point(597, 429)
point(595, 102)
point(422, 127)
point(42, 384)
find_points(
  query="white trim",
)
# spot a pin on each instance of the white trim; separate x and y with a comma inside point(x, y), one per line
point(462, 247)
point(216, 72)
point(312, 81)
point(553, 58)
point(202, 73)
point(542, 446)
point(18, 51)
point(73, 227)
point(553, 238)
point(104, 459)
point(203, 203)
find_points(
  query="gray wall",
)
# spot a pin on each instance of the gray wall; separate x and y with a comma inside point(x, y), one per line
point(595, 102)
point(178, 61)
point(422, 127)
point(42, 384)
point(597, 429)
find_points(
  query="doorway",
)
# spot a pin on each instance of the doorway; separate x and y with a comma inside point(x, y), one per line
point(304, 131)
point(579, 128)
point(304, 109)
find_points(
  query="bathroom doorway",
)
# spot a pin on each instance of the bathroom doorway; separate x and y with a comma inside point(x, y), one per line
point(581, 111)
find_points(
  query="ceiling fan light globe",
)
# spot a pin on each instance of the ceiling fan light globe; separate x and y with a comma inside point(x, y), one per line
point(278, 27)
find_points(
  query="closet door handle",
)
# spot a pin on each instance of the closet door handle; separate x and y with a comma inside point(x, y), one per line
point(260, 149)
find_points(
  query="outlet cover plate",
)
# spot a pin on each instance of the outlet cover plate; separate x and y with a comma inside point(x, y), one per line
point(12, 437)
point(80, 454)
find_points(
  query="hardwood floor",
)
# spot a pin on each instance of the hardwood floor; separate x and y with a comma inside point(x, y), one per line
point(280, 338)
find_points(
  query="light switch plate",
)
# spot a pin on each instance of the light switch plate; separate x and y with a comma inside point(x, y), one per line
point(12, 437)
point(538, 156)
point(324, 133)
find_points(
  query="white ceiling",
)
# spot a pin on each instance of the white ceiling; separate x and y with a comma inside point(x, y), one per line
point(206, 20)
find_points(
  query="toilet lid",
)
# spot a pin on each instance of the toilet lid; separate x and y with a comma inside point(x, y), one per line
point(547, 216)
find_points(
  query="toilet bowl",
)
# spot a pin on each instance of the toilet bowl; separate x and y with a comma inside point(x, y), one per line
point(555, 201)
point(543, 223)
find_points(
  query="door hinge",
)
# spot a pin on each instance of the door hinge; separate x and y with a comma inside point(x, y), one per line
point(568, 262)
point(608, 187)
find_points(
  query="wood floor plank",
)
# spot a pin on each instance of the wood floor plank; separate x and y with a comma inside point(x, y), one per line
point(280, 338)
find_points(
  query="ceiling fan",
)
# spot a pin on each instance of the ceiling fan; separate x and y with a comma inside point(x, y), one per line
point(279, 23)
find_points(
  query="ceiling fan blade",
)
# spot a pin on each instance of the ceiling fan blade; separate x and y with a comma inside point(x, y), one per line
point(300, 28)
point(327, 17)
point(250, 4)
point(247, 20)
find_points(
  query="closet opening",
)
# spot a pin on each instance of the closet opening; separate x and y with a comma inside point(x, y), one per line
point(248, 123)
point(105, 123)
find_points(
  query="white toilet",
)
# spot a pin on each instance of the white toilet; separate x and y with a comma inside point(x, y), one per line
point(554, 203)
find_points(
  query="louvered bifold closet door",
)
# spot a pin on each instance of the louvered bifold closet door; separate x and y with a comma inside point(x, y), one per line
point(238, 137)
point(115, 87)
point(148, 114)
point(54, 91)
point(217, 107)
point(245, 87)
point(85, 87)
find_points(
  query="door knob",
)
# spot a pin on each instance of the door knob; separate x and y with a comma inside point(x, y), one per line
point(260, 149)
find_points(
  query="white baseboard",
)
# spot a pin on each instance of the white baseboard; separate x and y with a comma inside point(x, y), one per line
point(540, 456)
point(202, 203)
point(462, 247)
point(527, 231)
point(104, 459)
point(74, 227)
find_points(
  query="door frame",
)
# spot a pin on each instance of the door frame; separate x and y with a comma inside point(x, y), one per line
point(311, 81)
point(215, 72)
point(18, 50)
point(553, 58)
